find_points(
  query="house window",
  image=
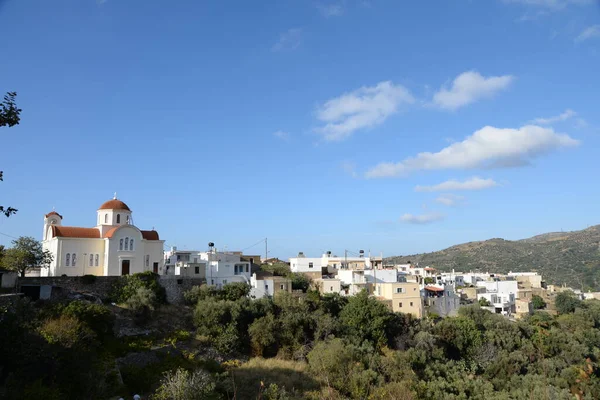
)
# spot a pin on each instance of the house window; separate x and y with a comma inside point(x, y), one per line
point(400, 305)
point(131, 244)
point(126, 243)
point(147, 260)
point(310, 265)
point(224, 281)
point(411, 303)
point(74, 259)
point(96, 260)
point(197, 270)
point(121, 244)
point(331, 288)
point(195, 260)
point(399, 290)
point(91, 260)
point(68, 260)
point(118, 218)
point(105, 218)
point(266, 287)
point(282, 287)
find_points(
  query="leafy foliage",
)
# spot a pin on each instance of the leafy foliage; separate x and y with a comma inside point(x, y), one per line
point(128, 285)
point(10, 115)
point(537, 302)
point(25, 254)
point(185, 385)
point(566, 302)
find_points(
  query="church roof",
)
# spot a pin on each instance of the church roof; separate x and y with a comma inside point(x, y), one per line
point(148, 235)
point(75, 232)
point(114, 204)
point(53, 213)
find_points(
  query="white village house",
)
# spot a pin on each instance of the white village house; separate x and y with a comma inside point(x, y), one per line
point(113, 247)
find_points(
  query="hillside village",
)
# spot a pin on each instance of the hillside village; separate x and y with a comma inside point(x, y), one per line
point(116, 247)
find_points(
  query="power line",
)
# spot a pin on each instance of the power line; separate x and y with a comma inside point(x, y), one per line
point(255, 244)
point(4, 234)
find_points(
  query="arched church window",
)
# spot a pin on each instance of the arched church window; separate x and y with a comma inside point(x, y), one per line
point(131, 244)
point(96, 260)
point(91, 260)
point(126, 243)
point(118, 218)
point(68, 262)
point(127, 219)
point(121, 244)
point(147, 260)
point(74, 259)
point(105, 218)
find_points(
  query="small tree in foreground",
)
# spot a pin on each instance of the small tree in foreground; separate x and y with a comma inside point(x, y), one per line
point(9, 116)
point(25, 254)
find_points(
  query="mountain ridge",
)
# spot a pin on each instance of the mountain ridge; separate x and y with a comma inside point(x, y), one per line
point(571, 258)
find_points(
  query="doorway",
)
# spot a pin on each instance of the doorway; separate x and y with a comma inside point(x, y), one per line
point(125, 267)
point(155, 268)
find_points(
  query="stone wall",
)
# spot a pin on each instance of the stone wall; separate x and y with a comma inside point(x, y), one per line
point(175, 286)
point(101, 286)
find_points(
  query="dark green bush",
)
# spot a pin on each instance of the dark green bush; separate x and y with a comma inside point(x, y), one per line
point(97, 317)
point(128, 285)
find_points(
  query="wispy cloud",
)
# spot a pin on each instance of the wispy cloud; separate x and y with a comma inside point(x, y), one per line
point(474, 183)
point(331, 10)
point(568, 113)
point(288, 40)
point(488, 147)
point(469, 87)
point(349, 168)
point(364, 108)
point(591, 32)
point(550, 4)
point(283, 135)
point(450, 200)
point(422, 218)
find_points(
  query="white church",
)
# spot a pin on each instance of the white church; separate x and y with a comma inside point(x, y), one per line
point(113, 247)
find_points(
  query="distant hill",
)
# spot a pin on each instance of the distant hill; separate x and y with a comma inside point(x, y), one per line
point(572, 258)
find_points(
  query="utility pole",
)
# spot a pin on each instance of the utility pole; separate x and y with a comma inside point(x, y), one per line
point(266, 250)
point(346, 259)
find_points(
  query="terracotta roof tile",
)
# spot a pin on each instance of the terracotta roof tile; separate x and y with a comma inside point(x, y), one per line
point(150, 235)
point(75, 232)
point(114, 204)
point(434, 288)
point(53, 213)
point(111, 232)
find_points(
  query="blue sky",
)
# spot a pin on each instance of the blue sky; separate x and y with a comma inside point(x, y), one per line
point(394, 127)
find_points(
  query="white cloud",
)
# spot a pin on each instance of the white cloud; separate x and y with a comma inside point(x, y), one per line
point(590, 32)
point(450, 200)
point(422, 218)
point(288, 40)
point(366, 107)
point(557, 118)
point(488, 147)
point(469, 87)
point(551, 4)
point(331, 10)
point(474, 183)
point(283, 135)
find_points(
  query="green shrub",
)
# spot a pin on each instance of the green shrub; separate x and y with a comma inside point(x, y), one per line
point(67, 332)
point(128, 285)
point(201, 292)
point(185, 385)
point(96, 316)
